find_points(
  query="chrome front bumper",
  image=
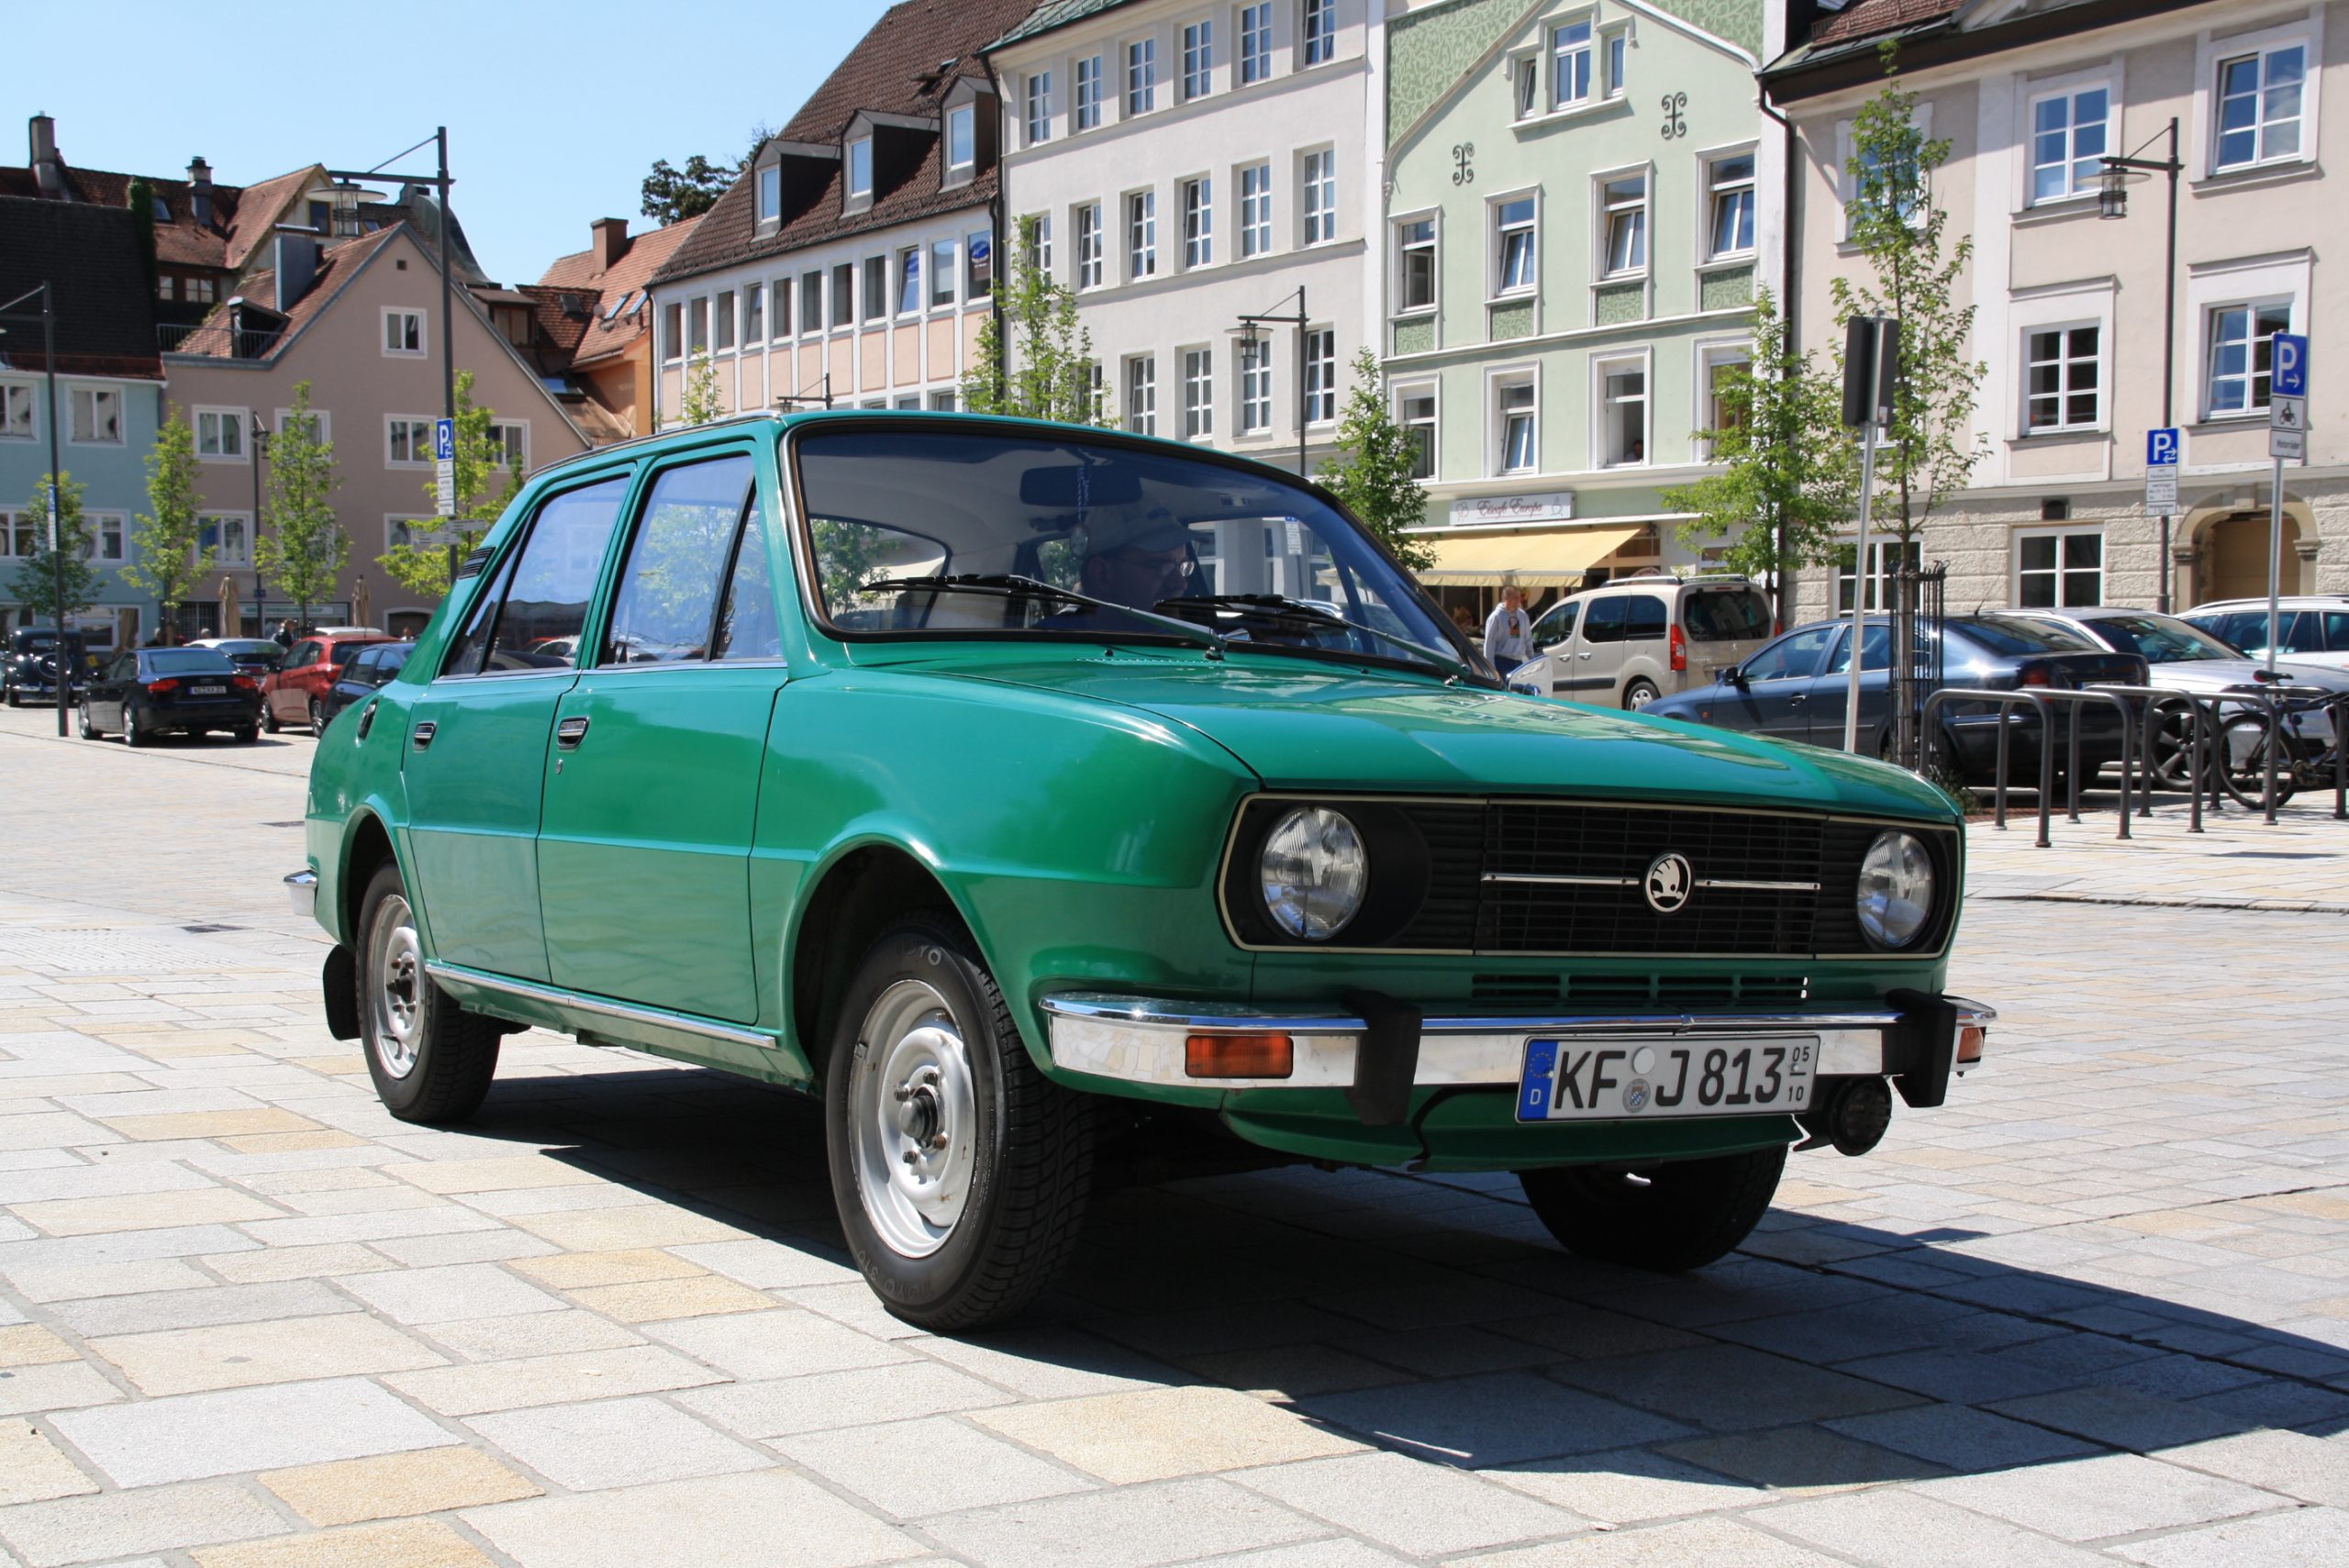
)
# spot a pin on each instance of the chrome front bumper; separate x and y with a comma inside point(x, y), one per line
point(1142, 1040)
point(303, 886)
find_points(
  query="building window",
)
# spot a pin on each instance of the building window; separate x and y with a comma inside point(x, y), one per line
point(961, 137)
point(1142, 235)
point(978, 263)
point(1255, 388)
point(1089, 269)
point(1619, 47)
point(105, 541)
point(2259, 106)
point(942, 272)
point(1623, 413)
point(1570, 65)
point(18, 535)
point(2059, 568)
point(2242, 338)
point(1415, 264)
point(859, 167)
point(97, 416)
point(1040, 107)
point(722, 320)
point(672, 332)
point(1198, 394)
point(909, 280)
point(1256, 210)
point(1513, 245)
point(1088, 92)
point(408, 442)
point(943, 401)
point(1198, 223)
point(509, 442)
point(2067, 143)
point(876, 288)
point(16, 412)
point(754, 314)
point(1417, 411)
point(404, 333)
point(697, 326)
point(1142, 77)
point(1319, 189)
point(1142, 395)
point(220, 434)
point(1721, 369)
point(1255, 43)
point(1038, 233)
point(811, 302)
point(1731, 179)
point(1897, 193)
point(844, 295)
point(1320, 377)
point(1514, 409)
point(1320, 30)
point(1625, 220)
point(1199, 60)
point(1886, 556)
point(2063, 386)
point(227, 535)
point(1097, 387)
point(770, 192)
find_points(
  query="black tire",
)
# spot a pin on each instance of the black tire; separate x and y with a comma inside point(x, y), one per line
point(12, 697)
point(318, 716)
point(269, 716)
point(248, 734)
point(450, 1054)
point(1639, 693)
point(132, 733)
point(1666, 1219)
point(1029, 1170)
point(89, 732)
point(2246, 780)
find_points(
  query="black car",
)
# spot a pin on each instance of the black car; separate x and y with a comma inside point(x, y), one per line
point(28, 667)
point(1796, 688)
point(371, 667)
point(186, 691)
point(256, 656)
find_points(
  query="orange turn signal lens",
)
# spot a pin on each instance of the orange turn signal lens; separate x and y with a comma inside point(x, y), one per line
point(1238, 1056)
point(1969, 1043)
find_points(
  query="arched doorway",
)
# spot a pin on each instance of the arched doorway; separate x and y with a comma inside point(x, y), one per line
point(2235, 558)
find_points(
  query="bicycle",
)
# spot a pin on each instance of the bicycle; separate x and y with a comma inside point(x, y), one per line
point(2302, 761)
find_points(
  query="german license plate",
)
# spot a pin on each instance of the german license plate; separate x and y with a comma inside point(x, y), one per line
point(1585, 1079)
point(208, 691)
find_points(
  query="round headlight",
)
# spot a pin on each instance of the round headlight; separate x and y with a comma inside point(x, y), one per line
point(1314, 871)
point(1896, 892)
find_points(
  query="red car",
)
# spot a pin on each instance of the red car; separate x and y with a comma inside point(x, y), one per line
point(296, 693)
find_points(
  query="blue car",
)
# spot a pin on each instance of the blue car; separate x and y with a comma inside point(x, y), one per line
point(1796, 688)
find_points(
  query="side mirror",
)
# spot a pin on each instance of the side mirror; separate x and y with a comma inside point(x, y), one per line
point(1730, 675)
point(1525, 688)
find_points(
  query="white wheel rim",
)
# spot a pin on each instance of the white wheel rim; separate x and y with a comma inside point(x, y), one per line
point(913, 1119)
point(394, 985)
point(1640, 697)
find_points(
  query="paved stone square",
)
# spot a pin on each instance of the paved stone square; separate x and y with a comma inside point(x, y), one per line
point(2095, 1310)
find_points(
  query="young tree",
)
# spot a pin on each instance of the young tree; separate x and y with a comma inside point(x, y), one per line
point(303, 549)
point(672, 196)
point(699, 404)
point(483, 487)
point(164, 556)
point(1371, 470)
point(1791, 468)
point(1901, 232)
point(40, 573)
point(1033, 358)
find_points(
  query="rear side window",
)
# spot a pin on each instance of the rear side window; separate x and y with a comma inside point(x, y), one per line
point(393, 657)
point(346, 651)
point(532, 615)
point(1725, 615)
point(668, 598)
point(747, 627)
point(2010, 636)
point(1645, 617)
point(1603, 622)
point(2306, 633)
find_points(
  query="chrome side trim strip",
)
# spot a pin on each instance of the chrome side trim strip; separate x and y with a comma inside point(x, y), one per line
point(733, 1034)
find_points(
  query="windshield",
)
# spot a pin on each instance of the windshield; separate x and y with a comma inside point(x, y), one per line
point(2162, 640)
point(967, 533)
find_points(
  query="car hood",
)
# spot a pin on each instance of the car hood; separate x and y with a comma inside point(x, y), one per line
point(1305, 726)
point(2217, 675)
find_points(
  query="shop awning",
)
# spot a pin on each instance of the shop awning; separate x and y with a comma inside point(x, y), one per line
point(1551, 559)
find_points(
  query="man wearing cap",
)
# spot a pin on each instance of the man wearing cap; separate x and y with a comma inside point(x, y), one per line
point(1135, 557)
point(1508, 631)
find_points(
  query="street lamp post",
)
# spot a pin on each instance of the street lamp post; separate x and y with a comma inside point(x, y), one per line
point(252, 533)
point(2112, 201)
point(440, 181)
point(1251, 338)
point(56, 558)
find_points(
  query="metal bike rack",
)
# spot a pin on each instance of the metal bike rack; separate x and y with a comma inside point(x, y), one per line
point(2209, 726)
point(2041, 701)
point(2158, 699)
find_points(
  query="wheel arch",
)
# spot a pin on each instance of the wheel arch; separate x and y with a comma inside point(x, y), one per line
point(366, 844)
point(861, 888)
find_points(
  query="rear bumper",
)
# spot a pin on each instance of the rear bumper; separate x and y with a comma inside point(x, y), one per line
point(303, 887)
point(204, 715)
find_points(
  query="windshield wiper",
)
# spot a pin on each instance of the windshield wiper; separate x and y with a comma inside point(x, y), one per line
point(1011, 585)
point(1279, 605)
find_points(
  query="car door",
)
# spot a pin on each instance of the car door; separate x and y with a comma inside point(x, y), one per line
point(287, 704)
point(108, 695)
point(1589, 662)
point(1830, 692)
point(476, 760)
point(652, 788)
point(1552, 639)
point(1774, 696)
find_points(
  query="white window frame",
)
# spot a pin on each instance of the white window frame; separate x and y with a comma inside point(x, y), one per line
point(1614, 60)
point(1255, 208)
point(963, 119)
point(945, 266)
point(1498, 380)
point(1606, 207)
point(513, 454)
point(2064, 395)
point(906, 279)
point(1085, 224)
point(11, 519)
point(1712, 358)
point(414, 422)
point(237, 419)
point(725, 322)
point(97, 527)
point(770, 192)
point(2307, 31)
point(1250, 65)
point(1497, 232)
point(2067, 90)
point(1402, 394)
point(755, 313)
point(859, 149)
point(1847, 185)
point(1602, 407)
point(389, 336)
point(1198, 392)
point(1141, 209)
point(1321, 377)
point(1886, 556)
point(2209, 317)
point(1317, 185)
point(1196, 43)
point(223, 558)
point(321, 418)
point(1197, 199)
point(74, 396)
point(1711, 190)
point(1399, 228)
point(1317, 33)
point(1140, 379)
point(1085, 106)
point(2061, 573)
point(1252, 387)
point(673, 331)
point(1142, 77)
point(697, 327)
point(24, 395)
point(1561, 71)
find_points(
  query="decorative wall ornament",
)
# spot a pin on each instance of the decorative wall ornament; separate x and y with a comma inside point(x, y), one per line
point(1675, 123)
point(1463, 172)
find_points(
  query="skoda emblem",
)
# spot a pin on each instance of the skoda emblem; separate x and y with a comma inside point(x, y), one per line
point(1669, 881)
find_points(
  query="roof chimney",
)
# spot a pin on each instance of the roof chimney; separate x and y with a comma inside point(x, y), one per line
point(296, 264)
point(49, 168)
point(611, 241)
point(199, 181)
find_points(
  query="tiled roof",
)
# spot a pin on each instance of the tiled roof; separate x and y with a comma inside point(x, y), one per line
point(106, 307)
point(1054, 14)
point(894, 70)
point(336, 268)
point(241, 215)
point(576, 274)
point(1869, 17)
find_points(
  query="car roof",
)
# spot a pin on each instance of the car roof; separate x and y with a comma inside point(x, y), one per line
point(2286, 602)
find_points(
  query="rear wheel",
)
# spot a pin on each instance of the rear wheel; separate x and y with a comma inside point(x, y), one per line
point(89, 732)
point(960, 1172)
point(248, 734)
point(1639, 693)
point(431, 1061)
point(133, 732)
point(1665, 1217)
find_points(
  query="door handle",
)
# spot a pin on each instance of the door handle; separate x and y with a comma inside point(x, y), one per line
point(421, 736)
point(1797, 697)
point(570, 733)
point(1584, 654)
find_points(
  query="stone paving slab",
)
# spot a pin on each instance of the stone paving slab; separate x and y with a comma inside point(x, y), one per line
point(2095, 1309)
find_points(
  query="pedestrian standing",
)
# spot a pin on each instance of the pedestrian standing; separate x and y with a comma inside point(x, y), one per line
point(1508, 631)
point(283, 637)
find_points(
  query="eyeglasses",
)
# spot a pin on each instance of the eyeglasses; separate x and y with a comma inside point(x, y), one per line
point(1164, 561)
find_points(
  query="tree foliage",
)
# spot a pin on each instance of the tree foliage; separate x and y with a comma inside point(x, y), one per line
point(40, 574)
point(1902, 232)
point(698, 404)
point(1790, 470)
point(672, 196)
point(141, 199)
point(1034, 360)
point(1372, 470)
point(165, 559)
point(484, 485)
point(303, 548)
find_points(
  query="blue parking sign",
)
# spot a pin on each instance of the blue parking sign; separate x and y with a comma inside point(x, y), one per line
point(2291, 365)
point(2161, 447)
point(444, 440)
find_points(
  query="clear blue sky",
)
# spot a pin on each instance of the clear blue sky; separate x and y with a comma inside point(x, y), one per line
point(555, 111)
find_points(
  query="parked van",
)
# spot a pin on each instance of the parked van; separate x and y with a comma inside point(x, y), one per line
point(1628, 642)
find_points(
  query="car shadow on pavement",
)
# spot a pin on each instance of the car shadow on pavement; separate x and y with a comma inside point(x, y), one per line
point(1434, 1317)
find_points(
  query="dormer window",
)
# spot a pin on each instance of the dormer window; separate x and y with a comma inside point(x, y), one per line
point(859, 167)
point(961, 137)
point(770, 192)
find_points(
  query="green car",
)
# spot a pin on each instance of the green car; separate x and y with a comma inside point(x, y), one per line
point(1023, 789)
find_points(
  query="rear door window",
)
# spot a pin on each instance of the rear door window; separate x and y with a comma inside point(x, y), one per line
point(1645, 617)
point(304, 654)
point(667, 603)
point(1603, 622)
point(1725, 615)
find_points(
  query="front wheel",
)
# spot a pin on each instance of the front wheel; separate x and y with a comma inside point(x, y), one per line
point(269, 716)
point(960, 1172)
point(2243, 741)
point(318, 716)
point(1639, 693)
point(431, 1060)
point(1666, 1219)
